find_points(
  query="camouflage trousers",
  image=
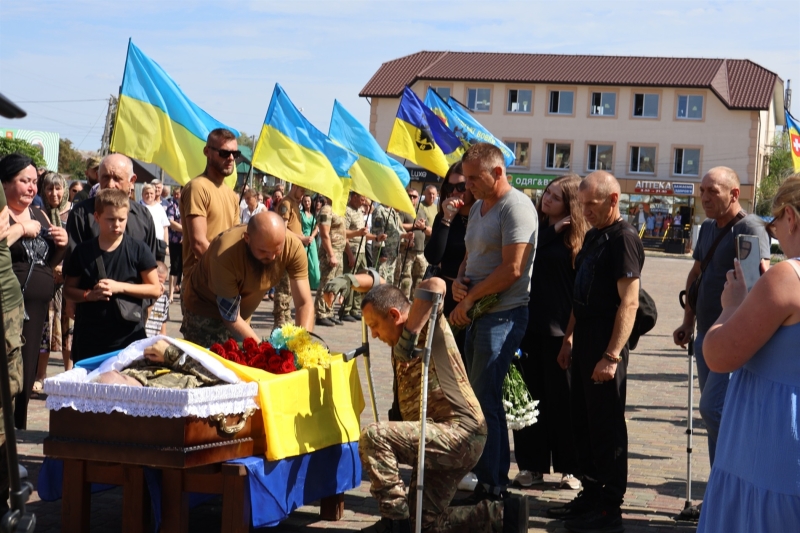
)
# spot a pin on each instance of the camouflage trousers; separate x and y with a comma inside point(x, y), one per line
point(13, 321)
point(352, 300)
point(386, 267)
point(411, 274)
point(202, 330)
point(282, 307)
point(450, 453)
point(326, 273)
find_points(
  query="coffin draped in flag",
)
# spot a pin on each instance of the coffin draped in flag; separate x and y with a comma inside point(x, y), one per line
point(463, 125)
point(794, 139)
point(421, 137)
point(291, 148)
point(374, 175)
point(157, 123)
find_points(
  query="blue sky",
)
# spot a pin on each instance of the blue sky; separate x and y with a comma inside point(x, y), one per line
point(227, 56)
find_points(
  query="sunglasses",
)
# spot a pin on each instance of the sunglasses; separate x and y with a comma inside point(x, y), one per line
point(225, 154)
point(413, 196)
point(460, 187)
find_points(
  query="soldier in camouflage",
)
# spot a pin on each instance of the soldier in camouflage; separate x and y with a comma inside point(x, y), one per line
point(289, 210)
point(356, 259)
point(333, 241)
point(411, 262)
point(387, 220)
point(455, 435)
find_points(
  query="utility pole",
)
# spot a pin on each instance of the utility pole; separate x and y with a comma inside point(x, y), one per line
point(105, 141)
point(787, 99)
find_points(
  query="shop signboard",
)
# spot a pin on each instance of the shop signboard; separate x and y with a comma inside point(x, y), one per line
point(530, 181)
point(422, 175)
point(45, 141)
point(664, 188)
point(683, 189)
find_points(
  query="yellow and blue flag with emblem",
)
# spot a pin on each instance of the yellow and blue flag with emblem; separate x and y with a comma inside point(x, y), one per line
point(465, 127)
point(291, 148)
point(794, 139)
point(419, 136)
point(375, 175)
point(157, 123)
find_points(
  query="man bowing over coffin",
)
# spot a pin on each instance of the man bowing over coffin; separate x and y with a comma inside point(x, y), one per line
point(225, 288)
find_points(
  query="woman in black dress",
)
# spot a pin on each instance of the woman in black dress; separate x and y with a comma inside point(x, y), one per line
point(36, 247)
point(561, 231)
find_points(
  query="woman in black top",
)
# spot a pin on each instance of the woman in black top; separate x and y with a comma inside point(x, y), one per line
point(36, 247)
point(561, 231)
point(446, 247)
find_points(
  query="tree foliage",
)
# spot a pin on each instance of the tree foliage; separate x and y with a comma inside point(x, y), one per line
point(780, 168)
point(13, 146)
point(70, 161)
point(245, 140)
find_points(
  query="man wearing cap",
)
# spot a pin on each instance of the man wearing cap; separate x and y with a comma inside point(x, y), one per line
point(92, 164)
point(226, 287)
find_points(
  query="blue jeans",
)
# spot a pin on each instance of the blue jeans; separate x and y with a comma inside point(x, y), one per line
point(713, 387)
point(490, 344)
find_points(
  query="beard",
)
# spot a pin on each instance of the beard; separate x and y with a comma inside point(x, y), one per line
point(260, 268)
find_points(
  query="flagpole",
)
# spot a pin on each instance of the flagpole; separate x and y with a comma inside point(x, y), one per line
point(119, 93)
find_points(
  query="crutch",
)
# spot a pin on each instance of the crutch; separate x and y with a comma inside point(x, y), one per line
point(689, 415)
point(364, 350)
point(436, 299)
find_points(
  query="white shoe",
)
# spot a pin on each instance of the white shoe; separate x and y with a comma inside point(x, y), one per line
point(469, 482)
point(23, 472)
point(526, 478)
point(568, 481)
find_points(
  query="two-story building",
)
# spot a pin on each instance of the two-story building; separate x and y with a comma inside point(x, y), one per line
point(657, 123)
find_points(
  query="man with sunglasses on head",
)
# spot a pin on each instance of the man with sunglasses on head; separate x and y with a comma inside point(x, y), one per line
point(208, 206)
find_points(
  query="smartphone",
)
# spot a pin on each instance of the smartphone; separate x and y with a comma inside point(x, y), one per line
point(748, 252)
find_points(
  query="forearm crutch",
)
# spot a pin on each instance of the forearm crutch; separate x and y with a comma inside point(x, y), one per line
point(689, 431)
point(364, 350)
point(435, 298)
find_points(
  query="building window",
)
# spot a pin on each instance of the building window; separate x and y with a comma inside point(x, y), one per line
point(643, 159)
point(604, 104)
point(521, 152)
point(687, 161)
point(645, 105)
point(444, 92)
point(561, 102)
point(558, 155)
point(601, 157)
point(479, 99)
point(690, 107)
point(519, 101)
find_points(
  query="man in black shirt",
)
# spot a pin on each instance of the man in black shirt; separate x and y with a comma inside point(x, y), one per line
point(605, 300)
point(115, 172)
point(91, 179)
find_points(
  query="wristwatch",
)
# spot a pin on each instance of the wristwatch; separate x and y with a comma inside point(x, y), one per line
point(612, 358)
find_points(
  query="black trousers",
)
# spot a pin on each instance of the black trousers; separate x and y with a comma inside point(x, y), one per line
point(176, 261)
point(551, 436)
point(598, 415)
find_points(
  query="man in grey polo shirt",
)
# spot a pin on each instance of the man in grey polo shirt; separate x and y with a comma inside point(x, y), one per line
point(501, 244)
point(719, 192)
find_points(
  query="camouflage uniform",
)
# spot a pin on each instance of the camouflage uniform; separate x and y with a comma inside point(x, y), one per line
point(409, 274)
point(289, 210)
point(12, 320)
point(354, 220)
point(386, 220)
point(326, 273)
point(455, 436)
point(202, 330)
point(171, 374)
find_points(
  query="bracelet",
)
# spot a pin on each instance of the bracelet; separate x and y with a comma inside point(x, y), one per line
point(85, 293)
point(445, 222)
point(612, 358)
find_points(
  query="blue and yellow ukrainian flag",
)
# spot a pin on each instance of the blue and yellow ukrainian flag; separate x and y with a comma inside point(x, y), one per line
point(375, 175)
point(794, 139)
point(157, 123)
point(463, 125)
point(419, 136)
point(291, 148)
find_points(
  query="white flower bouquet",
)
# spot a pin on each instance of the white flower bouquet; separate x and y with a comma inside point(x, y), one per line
point(520, 408)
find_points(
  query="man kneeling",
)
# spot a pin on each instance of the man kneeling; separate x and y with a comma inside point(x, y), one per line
point(455, 433)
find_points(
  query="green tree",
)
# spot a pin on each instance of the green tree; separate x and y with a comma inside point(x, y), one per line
point(13, 146)
point(70, 161)
point(780, 168)
point(245, 140)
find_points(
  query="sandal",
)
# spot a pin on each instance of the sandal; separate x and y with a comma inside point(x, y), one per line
point(38, 386)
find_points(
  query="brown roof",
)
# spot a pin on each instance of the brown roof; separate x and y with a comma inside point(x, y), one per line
point(740, 84)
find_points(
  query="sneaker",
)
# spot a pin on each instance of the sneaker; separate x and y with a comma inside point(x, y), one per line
point(526, 478)
point(468, 483)
point(568, 481)
point(691, 513)
point(597, 521)
point(387, 525)
point(478, 495)
point(327, 322)
point(357, 316)
point(335, 320)
point(516, 513)
point(580, 505)
point(348, 318)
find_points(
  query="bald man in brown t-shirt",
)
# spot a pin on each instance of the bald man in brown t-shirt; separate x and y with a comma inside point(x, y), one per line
point(289, 210)
point(241, 265)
